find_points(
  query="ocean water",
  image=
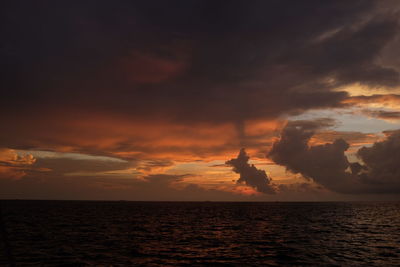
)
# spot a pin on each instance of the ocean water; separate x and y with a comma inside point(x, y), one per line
point(84, 233)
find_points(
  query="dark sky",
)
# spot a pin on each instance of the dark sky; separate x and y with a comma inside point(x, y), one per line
point(155, 99)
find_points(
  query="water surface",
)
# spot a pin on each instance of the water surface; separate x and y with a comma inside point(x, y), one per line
point(81, 233)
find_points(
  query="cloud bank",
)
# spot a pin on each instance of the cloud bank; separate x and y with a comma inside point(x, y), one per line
point(329, 166)
point(228, 63)
point(160, 83)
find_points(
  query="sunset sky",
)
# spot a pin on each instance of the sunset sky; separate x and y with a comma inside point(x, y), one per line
point(200, 100)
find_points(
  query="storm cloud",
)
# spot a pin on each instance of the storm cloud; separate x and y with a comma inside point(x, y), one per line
point(208, 62)
point(381, 164)
point(165, 85)
point(249, 174)
point(328, 165)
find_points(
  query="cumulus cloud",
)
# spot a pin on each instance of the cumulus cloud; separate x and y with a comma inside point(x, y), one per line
point(250, 175)
point(381, 164)
point(329, 166)
point(326, 164)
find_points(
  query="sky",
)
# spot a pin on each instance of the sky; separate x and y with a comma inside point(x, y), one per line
point(200, 100)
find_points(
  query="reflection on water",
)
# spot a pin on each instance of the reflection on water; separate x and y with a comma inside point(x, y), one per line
point(77, 233)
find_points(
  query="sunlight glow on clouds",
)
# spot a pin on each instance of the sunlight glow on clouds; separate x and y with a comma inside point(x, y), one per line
point(134, 104)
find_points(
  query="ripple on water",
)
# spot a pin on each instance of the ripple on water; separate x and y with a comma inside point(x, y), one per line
point(49, 233)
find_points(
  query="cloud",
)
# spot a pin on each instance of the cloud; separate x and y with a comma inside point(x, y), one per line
point(62, 166)
point(328, 165)
point(381, 163)
point(13, 165)
point(383, 114)
point(229, 63)
point(139, 85)
point(343, 50)
point(385, 107)
point(139, 67)
point(164, 179)
point(249, 174)
point(159, 187)
point(9, 157)
point(388, 100)
point(353, 138)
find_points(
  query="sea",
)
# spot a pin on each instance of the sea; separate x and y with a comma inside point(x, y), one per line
point(123, 233)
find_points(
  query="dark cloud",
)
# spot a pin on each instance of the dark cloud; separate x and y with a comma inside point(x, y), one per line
point(381, 163)
point(157, 81)
point(250, 175)
point(328, 165)
point(345, 56)
point(383, 114)
point(187, 62)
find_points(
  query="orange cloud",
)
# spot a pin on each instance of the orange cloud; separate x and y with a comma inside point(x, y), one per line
point(13, 165)
point(353, 138)
point(384, 107)
point(377, 100)
point(245, 190)
point(134, 138)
